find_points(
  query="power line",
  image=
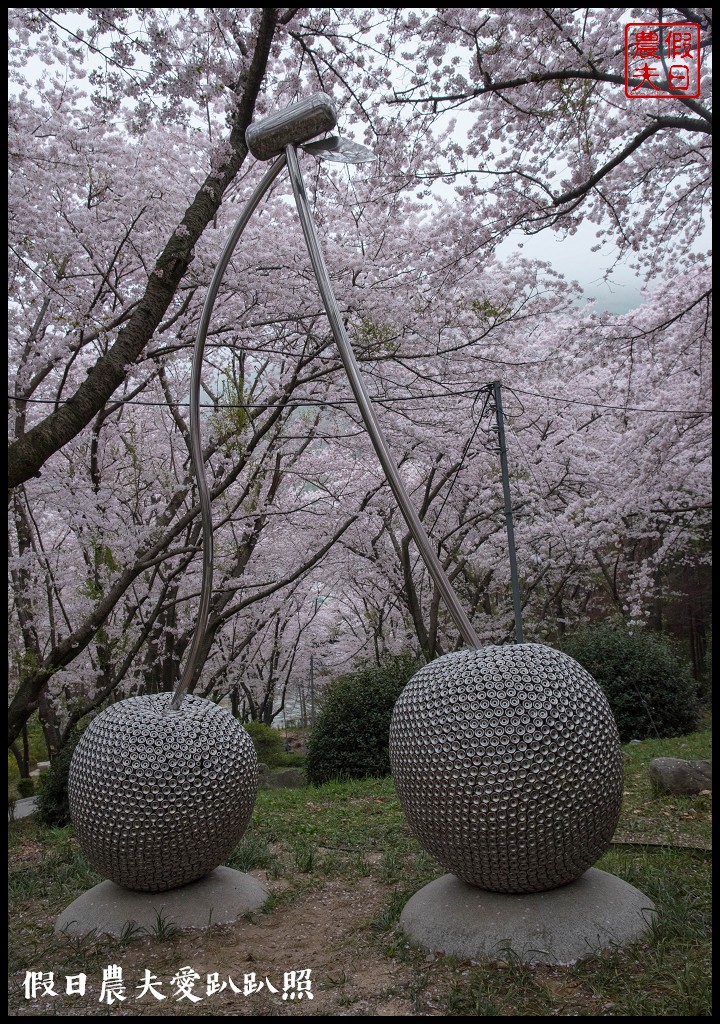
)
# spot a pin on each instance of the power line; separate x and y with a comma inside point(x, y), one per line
point(296, 403)
point(618, 408)
point(381, 400)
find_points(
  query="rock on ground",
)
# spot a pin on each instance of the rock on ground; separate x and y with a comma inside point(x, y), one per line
point(682, 778)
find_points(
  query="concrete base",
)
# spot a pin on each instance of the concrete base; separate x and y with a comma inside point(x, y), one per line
point(598, 911)
point(221, 897)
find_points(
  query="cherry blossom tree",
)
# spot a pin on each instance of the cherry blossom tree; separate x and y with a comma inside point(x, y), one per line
point(606, 494)
point(170, 70)
point(98, 309)
point(129, 166)
point(551, 137)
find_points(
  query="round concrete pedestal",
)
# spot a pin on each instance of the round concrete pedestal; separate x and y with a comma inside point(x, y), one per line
point(597, 911)
point(221, 897)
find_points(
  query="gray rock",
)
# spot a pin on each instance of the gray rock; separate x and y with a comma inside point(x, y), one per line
point(22, 808)
point(288, 778)
point(682, 778)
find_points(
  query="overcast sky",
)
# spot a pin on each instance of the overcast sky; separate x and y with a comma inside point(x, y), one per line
point(572, 257)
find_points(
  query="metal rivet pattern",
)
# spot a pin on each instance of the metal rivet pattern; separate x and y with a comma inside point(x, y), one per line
point(508, 765)
point(160, 798)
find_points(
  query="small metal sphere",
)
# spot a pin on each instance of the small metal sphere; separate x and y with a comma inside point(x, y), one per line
point(159, 798)
point(511, 795)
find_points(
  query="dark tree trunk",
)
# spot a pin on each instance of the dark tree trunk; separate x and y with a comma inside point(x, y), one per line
point(29, 452)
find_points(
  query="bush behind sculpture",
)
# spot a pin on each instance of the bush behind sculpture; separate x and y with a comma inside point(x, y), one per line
point(52, 805)
point(25, 787)
point(351, 737)
point(650, 689)
point(267, 741)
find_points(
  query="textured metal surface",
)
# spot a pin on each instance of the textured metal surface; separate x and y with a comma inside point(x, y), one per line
point(196, 448)
point(340, 151)
point(367, 410)
point(298, 123)
point(508, 765)
point(158, 798)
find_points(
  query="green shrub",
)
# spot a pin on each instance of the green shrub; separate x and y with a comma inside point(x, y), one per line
point(37, 748)
point(293, 759)
point(25, 787)
point(52, 806)
point(650, 689)
point(350, 739)
point(269, 744)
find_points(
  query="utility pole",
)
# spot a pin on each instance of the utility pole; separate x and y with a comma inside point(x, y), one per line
point(316, 604)
point(517, 607)
point(303, 708)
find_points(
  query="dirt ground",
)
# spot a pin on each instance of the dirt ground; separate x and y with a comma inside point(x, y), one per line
point(325, 931)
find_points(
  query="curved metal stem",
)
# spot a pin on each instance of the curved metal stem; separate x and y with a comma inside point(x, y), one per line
point(196, 454)
point(367, 411)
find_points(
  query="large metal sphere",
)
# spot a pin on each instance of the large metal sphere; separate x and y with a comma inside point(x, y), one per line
point(158, 798)
point(508, 765)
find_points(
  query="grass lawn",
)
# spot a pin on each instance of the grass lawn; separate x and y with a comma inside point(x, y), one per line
point(340, 863)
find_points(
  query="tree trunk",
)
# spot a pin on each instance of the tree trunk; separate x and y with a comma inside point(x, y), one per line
point(28, 453)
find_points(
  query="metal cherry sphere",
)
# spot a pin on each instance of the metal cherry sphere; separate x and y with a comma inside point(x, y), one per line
point(508, 765)
point(159, 798)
